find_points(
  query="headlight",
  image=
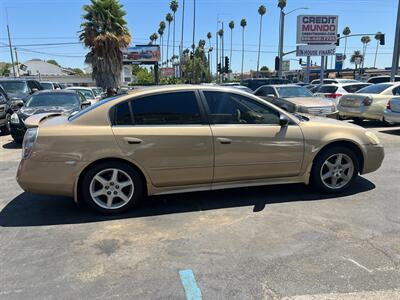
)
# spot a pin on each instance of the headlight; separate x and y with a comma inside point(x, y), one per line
point(29, 142)
point(374, 140)
point(14, 119)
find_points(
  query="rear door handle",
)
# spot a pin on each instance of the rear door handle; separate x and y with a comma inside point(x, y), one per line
point(224, 141)
point(132, 141)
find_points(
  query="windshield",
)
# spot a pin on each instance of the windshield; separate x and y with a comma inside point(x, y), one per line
point(293, 91)
point(46, 85)
point(53, 100)
point(374, 89)
point(87, 93)
point(14, 86)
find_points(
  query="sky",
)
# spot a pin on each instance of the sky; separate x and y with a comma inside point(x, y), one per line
point(58, 21)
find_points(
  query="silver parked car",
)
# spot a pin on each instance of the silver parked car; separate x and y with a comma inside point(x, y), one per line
point(392, 111)
point(297, 99)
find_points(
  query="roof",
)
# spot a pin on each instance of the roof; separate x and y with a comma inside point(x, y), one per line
point(79, 88)
point(346, 83)
point(55, 92)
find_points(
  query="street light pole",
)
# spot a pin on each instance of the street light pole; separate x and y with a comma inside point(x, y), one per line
point(194, 36)
point(11, 53)
point(181, 47)
point(396, 50)
point(281, 36)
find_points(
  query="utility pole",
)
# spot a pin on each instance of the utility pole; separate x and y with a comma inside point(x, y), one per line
point(16, 60)
point(194, 36)
point(281, 36)
point(11, 53)
point(181, 48)
point(322, 70)
point(396, 50)
point(223, 54)
point(216, 55)
point(308, 69)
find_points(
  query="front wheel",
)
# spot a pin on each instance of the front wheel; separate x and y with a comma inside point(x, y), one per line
point(6, 128)
point(112, 187)
point(335, 170)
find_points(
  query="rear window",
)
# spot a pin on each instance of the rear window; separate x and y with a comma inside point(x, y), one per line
point(328, 89)
point(375, 89)
point(379, 79)
point(354, 88)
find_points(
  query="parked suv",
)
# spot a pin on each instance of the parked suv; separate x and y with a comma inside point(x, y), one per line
point(189, 138)
point(5, 112)
point(18, 90)
point(255, 83)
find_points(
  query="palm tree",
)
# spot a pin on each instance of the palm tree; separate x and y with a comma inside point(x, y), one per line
point(281, 4)
point(151, 38)
point(346, 32)
point(221, 34)
point(365, 40)
point(161, 33)
point(174, 7)
point(105, 33)
point(357, 58)
point(169, 18)
point(243, 24)
point(378, 40)
point(261, 11)
point(231, 27)
point(209, 37)
point(155, 37)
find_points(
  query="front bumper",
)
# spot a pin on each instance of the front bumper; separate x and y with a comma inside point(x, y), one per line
point(373, 158)
point(48, 178)
point(391, 116)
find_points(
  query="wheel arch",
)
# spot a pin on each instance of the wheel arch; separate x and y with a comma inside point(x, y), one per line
point(78, 182)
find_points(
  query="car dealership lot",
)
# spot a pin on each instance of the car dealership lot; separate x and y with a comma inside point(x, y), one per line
point(253, 243)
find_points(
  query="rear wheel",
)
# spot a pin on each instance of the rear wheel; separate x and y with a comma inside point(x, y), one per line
point(358, 121)
point(112, 187)
point(387, 123)
point(6, 128)
point(335, 170)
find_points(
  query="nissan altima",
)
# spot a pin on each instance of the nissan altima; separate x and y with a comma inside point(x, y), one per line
point(188, 138)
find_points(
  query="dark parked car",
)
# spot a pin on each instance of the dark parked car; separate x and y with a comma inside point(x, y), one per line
point(255, 83)
point(61, 101)
point(5, 112)
point(382, 79)
point(18, 90)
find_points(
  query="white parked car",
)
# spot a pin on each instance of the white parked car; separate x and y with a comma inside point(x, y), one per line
point(87, 92)
point(392, 111)
point(335, 91)
point(333, 80)
point(369, 102)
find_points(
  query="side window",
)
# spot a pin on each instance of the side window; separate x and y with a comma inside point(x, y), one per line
point(122, 114)
point(265, 91)
point(396, 91)
point(31, 85)
point(167, 109)
point(229, 108)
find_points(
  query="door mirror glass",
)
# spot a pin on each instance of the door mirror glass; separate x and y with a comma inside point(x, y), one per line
point(85, 104)
point(271, 95)
point(33, 90)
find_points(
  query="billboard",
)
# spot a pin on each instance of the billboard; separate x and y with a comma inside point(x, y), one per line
point(315, 50)
point(145, 54)
point(167, 72)
point(317, 29)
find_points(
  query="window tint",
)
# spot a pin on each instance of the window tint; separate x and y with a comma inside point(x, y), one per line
point(265, 91)
point(396, 91)
point(379, 79)
point(228, 108)
point(122, 114)
point(354, 88)
point(375, 89)
point(167, 109)
point(327, 89)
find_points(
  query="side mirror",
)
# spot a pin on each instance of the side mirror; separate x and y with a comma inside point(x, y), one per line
point(85, 104)
point(271, 95)
point(34, 90)
point(284, 120)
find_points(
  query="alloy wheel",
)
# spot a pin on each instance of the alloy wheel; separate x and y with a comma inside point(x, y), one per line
point(337, 171)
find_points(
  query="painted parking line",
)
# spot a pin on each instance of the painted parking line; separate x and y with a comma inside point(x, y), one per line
point(192, 291)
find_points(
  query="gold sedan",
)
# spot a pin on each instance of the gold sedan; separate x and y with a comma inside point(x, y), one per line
point(189, 138)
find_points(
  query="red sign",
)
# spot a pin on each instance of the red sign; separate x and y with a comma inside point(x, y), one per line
point(168, 72)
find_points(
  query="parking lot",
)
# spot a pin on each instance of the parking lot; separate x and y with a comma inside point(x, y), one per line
point(252, 243)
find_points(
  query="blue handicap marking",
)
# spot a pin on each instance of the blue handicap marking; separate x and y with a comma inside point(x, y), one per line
point(192, 291)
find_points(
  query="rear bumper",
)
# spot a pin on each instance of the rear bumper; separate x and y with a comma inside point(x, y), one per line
point(391, 116)
point(373, 158)
point(359, 112)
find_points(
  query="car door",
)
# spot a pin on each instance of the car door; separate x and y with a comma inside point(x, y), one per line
point(249, 143)
point(168, 136)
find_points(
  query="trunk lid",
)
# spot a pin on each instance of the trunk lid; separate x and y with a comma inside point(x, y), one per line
point(395, 105)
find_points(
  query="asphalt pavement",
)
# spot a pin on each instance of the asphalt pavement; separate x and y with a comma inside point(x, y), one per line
point(274, 242)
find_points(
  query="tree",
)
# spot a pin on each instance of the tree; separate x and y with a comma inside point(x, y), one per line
point(261, 11)
point(243, 24)
point(169, 18)
point(231, 27)
point(357, 58)
point(5, 69)
point(264, 68)
point(144, 77)
point(161, 33)
point(365, 40)
point(378, 40)
point(77, 71)
point(199, 68)
point(105, 32)
point(281, 4)
point(346, 32)
point(174, 7)
point(53, 62)
point(151, 38)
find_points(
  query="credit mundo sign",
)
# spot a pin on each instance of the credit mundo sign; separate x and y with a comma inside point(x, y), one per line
point(317, 29)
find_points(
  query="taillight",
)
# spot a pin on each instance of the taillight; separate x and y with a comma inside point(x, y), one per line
point(333, 96)
point(367, 101)
point(388, 106)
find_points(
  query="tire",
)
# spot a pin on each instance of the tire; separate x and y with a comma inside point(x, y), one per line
point(358, 121)
point(18, 140)
point(325, 164)
point(387, 123)
point(5, 130)
point(99, 186)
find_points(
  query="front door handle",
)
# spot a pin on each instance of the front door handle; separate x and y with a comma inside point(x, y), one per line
point(132, 141)
point(224, 141)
